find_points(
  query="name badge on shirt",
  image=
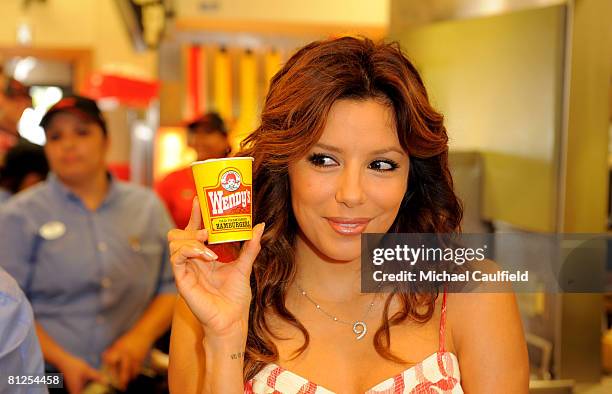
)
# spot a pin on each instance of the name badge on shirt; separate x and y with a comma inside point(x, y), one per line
point(52, 230)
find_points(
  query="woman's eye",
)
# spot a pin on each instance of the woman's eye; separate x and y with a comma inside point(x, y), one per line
point(321, 160)
point(383, 165)
point(82, 132)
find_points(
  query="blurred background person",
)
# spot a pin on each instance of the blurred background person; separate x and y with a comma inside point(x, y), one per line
point(14, 99)
point(207, 135)
point(25, 165)
point(90, 253)
point(19, 349)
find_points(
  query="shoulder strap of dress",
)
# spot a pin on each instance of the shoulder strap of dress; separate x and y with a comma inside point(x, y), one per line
point(442, 337)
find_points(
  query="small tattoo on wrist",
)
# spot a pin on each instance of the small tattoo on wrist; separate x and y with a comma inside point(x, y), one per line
point(237, 356)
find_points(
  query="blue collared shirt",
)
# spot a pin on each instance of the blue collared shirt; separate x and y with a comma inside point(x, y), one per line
point(88, 274)
point(19, 349)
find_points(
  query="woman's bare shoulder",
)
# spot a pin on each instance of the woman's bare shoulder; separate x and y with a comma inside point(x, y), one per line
point(481, 303)
point(486, 330)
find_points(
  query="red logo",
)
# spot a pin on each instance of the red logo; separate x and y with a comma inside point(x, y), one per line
point(230, 181)
point(231, 197)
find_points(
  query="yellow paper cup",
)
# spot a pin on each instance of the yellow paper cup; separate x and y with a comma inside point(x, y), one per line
point(224, 190)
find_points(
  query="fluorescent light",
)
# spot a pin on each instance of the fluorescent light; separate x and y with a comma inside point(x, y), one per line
point(23, 68)
point(29, 127)
point(24, 34)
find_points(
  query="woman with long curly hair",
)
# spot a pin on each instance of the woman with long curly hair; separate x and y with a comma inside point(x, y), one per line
point(348, 144)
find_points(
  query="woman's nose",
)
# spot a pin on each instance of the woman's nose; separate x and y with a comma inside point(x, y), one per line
point(350, 191)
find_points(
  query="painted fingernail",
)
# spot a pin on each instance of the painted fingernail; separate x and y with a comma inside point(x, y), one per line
point(206, 252)
point(199, 251)
point(210, 254)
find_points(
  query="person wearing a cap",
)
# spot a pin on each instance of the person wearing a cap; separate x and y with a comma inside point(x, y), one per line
point(207, 135)
point(90, 254)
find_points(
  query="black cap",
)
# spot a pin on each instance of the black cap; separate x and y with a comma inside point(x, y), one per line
point(78, 105)
point(210, 122)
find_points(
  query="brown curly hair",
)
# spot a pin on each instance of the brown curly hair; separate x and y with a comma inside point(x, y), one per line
point(293, 117)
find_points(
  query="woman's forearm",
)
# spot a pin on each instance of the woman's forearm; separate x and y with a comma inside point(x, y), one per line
point(201, 364)
point(224, 364)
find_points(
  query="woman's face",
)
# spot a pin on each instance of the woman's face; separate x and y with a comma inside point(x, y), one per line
point(75, 148)
point(208, 145)
point(352, 181)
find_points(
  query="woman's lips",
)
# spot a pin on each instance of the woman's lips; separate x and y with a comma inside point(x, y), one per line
point(348, 226)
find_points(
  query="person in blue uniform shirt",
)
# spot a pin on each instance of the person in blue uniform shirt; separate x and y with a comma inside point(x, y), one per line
point(20, 353)
point(90, 254)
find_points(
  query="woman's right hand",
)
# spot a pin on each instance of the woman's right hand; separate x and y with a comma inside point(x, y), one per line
point(218, 294)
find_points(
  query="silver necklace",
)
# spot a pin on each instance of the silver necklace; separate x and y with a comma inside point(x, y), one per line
point(360, 328)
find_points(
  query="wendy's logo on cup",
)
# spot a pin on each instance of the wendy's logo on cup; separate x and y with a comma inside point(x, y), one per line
point(224, 189)
point(230, 180)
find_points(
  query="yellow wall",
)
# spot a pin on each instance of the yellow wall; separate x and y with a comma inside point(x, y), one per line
point(94, 24)
point(586, 182)
point(497, 80)
point(359, 12)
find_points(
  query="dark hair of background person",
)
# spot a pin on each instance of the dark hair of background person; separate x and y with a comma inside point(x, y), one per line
point(293, 117)
point(21, 161)
point(209, 122)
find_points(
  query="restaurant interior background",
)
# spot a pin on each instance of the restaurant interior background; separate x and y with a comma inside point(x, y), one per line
point(525, 87)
